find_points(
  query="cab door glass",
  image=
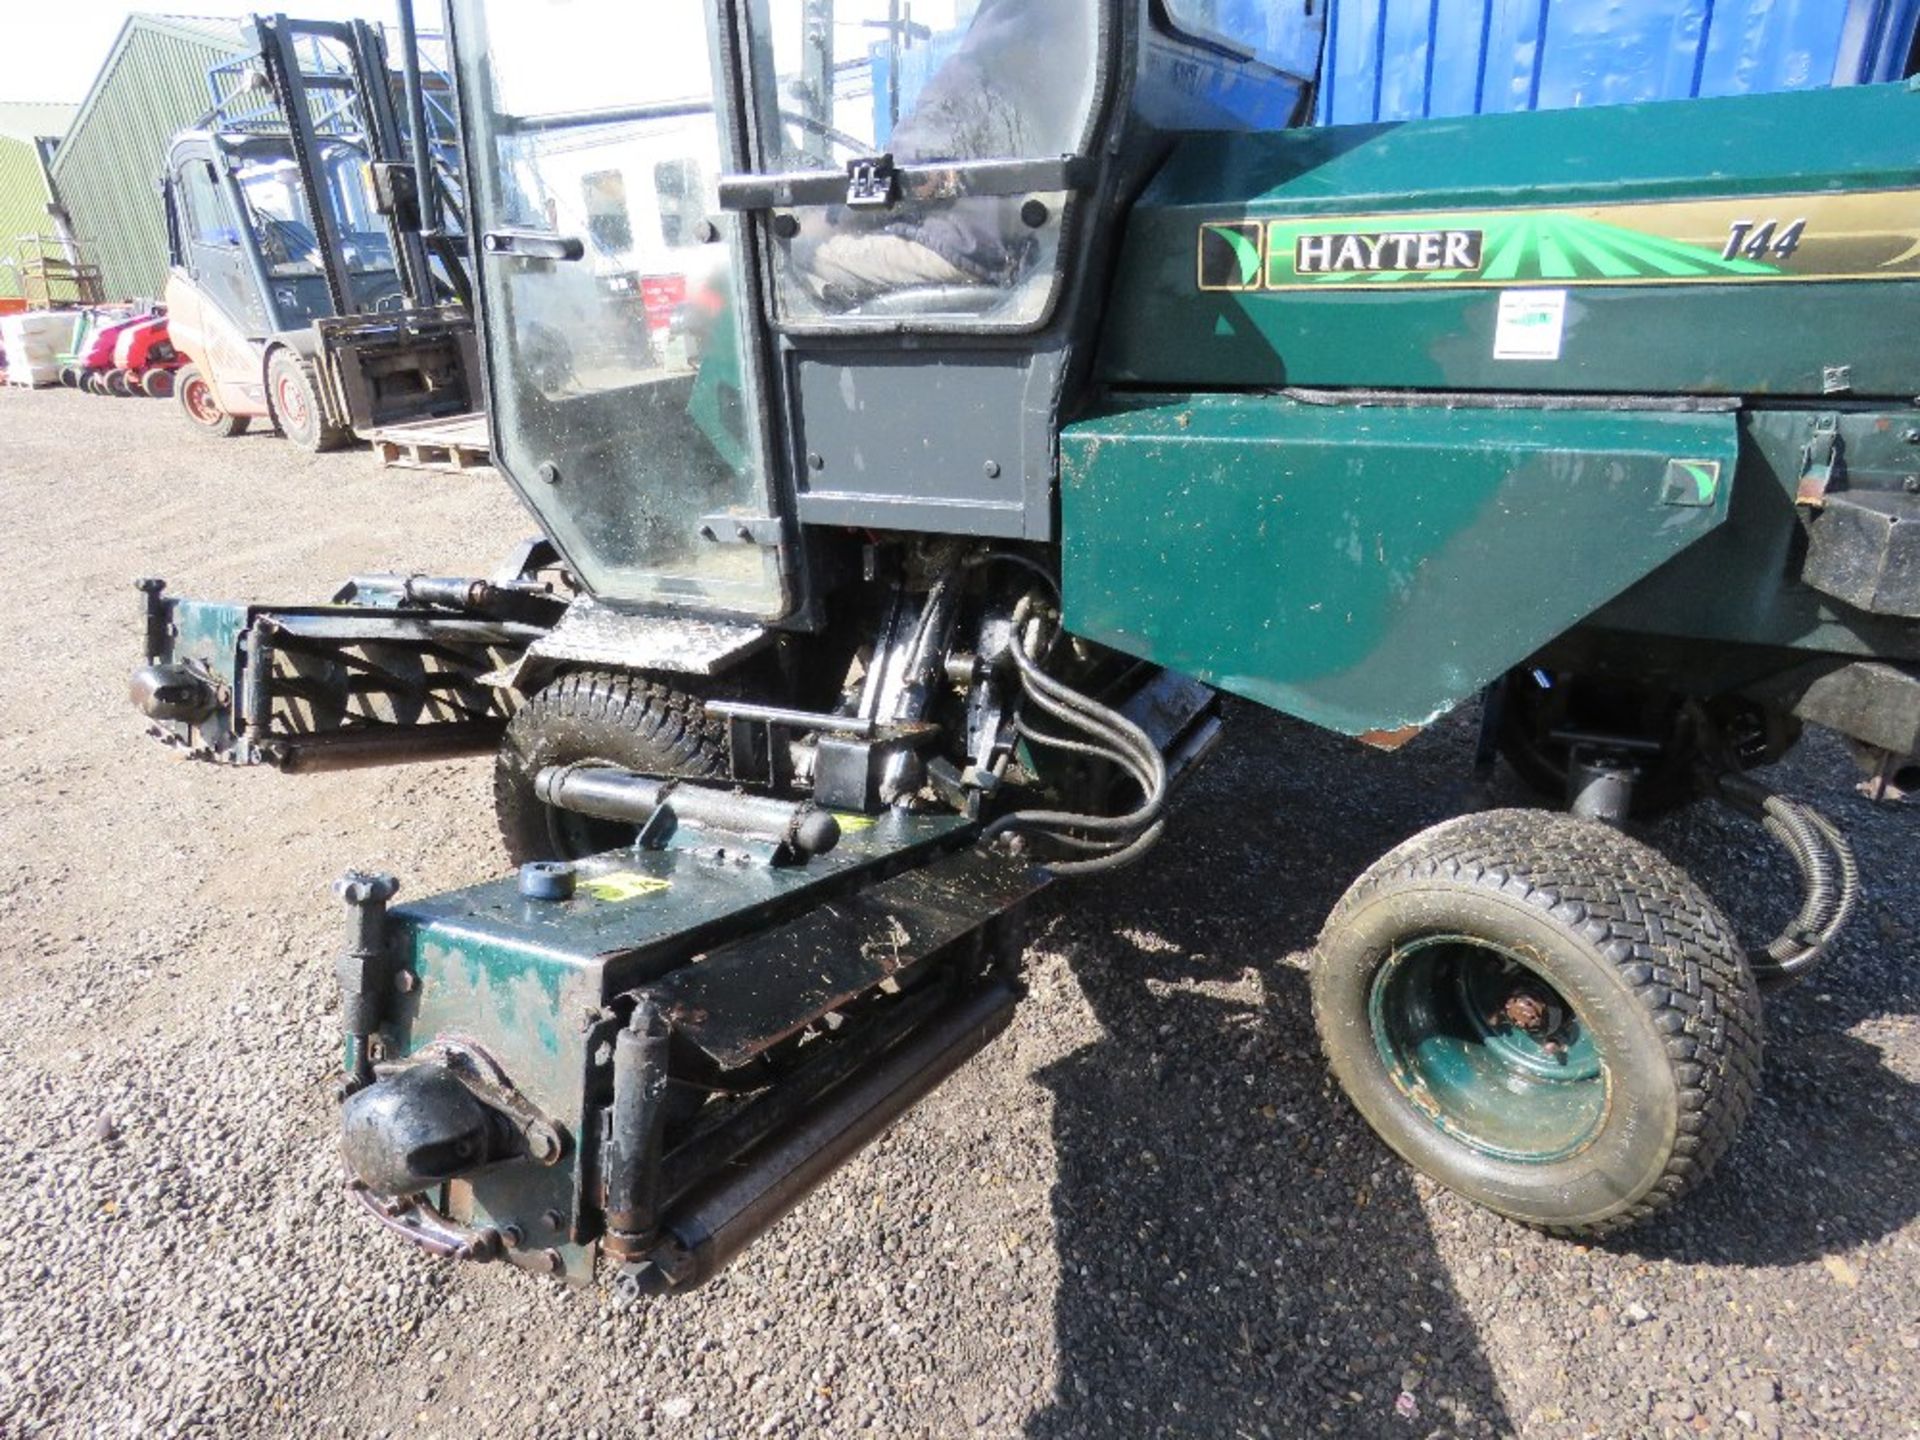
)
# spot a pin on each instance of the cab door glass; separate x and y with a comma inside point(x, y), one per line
point(609, 275)
point(927, 82)
point(215, 256)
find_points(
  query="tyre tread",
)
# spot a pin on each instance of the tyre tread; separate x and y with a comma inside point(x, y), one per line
point(676, 736)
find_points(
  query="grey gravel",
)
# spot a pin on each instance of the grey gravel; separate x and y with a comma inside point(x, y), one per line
point(1144, 1211)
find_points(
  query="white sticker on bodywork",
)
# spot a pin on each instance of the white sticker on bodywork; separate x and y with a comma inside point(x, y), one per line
point(1530, 325)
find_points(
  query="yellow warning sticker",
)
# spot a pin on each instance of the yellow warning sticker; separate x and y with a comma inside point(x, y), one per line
point(618, 885)
point(851, 823)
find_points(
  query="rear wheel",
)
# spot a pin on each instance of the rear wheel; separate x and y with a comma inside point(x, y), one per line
point(158, 384)
point(609, 717)
point(1542, 1014)
point(119, 383)
point(296, 404)
point(201, 406)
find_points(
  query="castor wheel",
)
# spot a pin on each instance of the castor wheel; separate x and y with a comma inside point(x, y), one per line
point(1543, 1014)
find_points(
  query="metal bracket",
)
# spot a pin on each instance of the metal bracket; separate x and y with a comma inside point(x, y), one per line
point(415, 1219)
point(872, 182)
point(1820, 462)
point(545, 1140)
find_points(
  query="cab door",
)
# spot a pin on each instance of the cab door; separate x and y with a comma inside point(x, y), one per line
point(214, 304)
point(213, 241)
point(617, 301)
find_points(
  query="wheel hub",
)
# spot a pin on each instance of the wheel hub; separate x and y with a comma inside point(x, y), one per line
point(200, 401)
point(1487, 1049)
point(293, 404)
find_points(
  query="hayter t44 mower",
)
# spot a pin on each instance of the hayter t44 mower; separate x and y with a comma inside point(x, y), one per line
point(1048, 382)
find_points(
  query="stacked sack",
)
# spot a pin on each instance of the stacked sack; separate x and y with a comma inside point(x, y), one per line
point(32, 343)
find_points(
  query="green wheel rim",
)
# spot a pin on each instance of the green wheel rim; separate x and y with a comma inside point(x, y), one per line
point(1487, 1050)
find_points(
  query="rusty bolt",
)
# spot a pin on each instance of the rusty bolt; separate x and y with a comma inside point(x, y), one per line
point(556, 1263)
point(1527, 1011)
point(554, 1220)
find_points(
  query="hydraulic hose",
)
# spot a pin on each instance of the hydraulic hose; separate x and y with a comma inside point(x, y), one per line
point(1829, 879)
point(1107, 841)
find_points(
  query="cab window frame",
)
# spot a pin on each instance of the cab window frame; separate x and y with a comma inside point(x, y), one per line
point(1079, 166)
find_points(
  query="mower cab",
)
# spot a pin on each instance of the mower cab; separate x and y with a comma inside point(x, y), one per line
point(912, 410)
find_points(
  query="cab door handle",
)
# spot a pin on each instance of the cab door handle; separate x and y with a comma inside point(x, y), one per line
point(533, 244)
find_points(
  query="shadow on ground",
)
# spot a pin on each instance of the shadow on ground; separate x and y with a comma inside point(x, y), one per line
point(1238, 1254)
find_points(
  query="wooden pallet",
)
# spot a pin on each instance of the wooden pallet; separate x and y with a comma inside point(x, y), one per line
point(456, 443)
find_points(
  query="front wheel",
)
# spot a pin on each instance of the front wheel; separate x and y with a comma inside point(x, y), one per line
point(1543, 1015)
point(296, 404)
point(594, 716)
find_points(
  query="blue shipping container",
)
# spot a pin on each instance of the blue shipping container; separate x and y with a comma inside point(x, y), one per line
point(1402, 59)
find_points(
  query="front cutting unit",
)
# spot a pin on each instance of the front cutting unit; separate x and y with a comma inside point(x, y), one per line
point(926, 424)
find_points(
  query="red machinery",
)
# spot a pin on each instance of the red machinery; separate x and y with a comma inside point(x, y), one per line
point(122, 355)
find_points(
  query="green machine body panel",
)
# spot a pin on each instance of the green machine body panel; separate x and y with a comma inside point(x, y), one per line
point(1368, 567)
point(529, 981)
point(1740, 589)
point(1753, 245)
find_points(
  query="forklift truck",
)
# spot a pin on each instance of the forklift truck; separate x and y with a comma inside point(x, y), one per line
point(1047, 381)
point(314, 283)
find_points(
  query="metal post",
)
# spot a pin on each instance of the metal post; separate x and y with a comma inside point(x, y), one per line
point(282, 65)
point(155, 611)
point(362, 967)
point(386, 145)
point(423, 167)
point(631, 1159)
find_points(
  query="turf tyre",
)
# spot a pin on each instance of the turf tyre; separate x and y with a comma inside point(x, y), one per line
point(1641, 956)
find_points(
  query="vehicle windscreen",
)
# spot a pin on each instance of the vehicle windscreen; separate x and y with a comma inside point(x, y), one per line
point(935, 82)
point(282, 221)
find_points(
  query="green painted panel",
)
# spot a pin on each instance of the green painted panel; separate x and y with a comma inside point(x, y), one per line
point(1739, 246)
point(1741, 584)
point(1367, 568)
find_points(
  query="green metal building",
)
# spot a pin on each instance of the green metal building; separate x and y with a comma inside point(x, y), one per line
point(106, 172)
point(28, 134)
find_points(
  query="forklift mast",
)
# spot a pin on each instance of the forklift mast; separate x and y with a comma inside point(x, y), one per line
point(314, 80)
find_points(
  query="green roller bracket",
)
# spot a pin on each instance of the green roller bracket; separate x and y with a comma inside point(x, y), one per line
point(1367, 568)
point(530, 981)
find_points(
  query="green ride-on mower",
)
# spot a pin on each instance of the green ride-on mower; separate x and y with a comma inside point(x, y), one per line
point(1029, 379)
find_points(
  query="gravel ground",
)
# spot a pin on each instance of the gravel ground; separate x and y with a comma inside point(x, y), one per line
point(1143, 1211)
